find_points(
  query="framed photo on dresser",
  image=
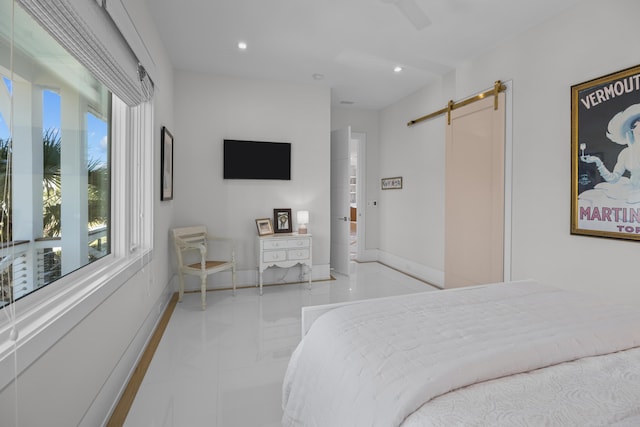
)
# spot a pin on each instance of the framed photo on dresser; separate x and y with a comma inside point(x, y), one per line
point(282, 220)
point(264, 226)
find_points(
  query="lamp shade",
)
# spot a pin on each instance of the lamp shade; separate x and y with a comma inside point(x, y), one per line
point(303, 217)
point(303, 220)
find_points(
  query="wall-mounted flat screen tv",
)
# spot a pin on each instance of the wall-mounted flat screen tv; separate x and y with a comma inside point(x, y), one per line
point(256, 160)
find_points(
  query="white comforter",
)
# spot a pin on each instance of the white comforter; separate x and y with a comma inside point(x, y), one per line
point(375, 363)
point(592, 391)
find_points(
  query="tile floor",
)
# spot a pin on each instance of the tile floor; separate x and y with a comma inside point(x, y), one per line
point(223, 367)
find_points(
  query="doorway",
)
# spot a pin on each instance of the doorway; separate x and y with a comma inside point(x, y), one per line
point(356, 192)
point(347, 196)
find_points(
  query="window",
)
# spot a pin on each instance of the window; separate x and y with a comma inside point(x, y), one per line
point(57, 186)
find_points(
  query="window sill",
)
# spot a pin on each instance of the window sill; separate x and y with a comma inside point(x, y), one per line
point(42, 319)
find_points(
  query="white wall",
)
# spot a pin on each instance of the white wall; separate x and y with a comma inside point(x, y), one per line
point(589, 40)
point(210, 108)
point(411, 231)
point(404, 228)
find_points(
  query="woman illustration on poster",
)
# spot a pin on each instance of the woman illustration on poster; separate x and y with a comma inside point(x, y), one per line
point(623, 129)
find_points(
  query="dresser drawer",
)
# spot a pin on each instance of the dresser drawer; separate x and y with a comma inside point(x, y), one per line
point(286, 244)
point(298, 254)
point(298, 243)
point(270, 256)
point(275, 244)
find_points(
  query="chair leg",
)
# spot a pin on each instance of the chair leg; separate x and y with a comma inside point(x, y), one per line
point(233, 279)
point(203, 291)
point(181, 289)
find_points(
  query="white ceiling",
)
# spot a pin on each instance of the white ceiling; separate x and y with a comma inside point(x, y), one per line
point(354, 44)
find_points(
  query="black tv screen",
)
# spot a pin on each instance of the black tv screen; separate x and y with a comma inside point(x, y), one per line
point(256, 160)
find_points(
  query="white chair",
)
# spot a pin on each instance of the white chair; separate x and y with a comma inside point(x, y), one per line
point(195, 239)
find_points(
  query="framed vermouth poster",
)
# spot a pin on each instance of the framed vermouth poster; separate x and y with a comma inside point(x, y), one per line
point(605, 156)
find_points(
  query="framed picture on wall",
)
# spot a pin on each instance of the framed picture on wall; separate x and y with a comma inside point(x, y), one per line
point(394, 183)
point(605, 156)
point(166, 165)
point(282, 220)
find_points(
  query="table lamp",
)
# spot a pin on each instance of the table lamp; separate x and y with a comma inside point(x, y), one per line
point(303, 220)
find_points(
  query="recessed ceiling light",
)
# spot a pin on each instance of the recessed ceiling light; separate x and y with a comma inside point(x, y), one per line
point(242, 45)
point(318, 76)
point(397, 69)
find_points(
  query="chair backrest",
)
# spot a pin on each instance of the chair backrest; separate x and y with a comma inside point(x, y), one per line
point(191, 235)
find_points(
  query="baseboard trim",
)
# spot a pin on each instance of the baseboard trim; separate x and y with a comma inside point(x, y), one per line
point(427, 274)
point(121, 410)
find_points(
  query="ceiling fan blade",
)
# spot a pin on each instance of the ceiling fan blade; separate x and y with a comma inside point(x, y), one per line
point(413, 13)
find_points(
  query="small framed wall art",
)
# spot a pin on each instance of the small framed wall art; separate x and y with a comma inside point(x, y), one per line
point(282, 220)
point(394, 183)
point(264, 226)
point(166, 169)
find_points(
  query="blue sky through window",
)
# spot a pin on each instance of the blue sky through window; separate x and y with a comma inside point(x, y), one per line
point(97, 139)
point(4, 126)
point(51, 111)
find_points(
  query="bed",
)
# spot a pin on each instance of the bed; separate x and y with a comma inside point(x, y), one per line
point(516, 353)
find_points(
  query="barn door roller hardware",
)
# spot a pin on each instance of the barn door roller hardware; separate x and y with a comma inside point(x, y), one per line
point(497, 88)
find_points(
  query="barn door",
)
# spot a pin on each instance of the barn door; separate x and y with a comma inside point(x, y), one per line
point(474, 194)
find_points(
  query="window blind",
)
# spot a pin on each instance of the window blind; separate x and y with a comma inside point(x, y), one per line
point(121, 16)
point(87, 31)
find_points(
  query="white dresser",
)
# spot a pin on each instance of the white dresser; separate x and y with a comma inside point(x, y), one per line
point(284, 250)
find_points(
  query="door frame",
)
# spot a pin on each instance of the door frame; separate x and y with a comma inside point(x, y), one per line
point(508, 177)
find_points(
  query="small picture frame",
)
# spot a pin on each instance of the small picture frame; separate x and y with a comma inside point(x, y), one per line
point(394, 183)
point(264, 226)
point(166, 166)
point(282, 220)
